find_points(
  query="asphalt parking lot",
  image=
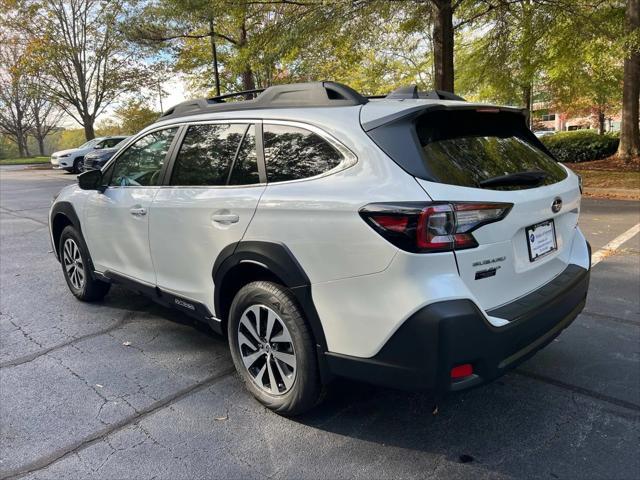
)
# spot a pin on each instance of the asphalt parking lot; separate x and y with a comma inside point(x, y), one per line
point(128, 389)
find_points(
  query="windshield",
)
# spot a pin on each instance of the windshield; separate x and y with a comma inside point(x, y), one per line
point(90, 143)
point(468, 147)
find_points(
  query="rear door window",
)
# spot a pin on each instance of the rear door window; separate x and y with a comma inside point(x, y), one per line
point(206, 156)
point(244, 170)
point(469, 148)
point(293, 153)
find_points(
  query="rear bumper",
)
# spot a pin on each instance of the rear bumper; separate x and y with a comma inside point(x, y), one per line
point(442, 335)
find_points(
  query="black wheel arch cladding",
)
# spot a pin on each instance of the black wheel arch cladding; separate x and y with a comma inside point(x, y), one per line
point(61, 215)
point(277, 259)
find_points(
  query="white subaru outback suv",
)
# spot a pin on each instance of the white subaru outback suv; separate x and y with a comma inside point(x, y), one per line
point(415, 241)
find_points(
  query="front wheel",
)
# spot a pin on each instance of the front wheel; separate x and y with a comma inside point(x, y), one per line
point(76, 262)
point(273, 348)
point(78, 164)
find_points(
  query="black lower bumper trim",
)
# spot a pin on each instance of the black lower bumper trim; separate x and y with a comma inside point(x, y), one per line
point(440, 336)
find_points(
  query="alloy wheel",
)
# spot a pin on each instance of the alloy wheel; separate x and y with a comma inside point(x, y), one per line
point(267, 350)
point(73, 265)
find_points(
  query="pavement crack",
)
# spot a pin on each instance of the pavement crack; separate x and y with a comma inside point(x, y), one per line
point(101, 434)
point(22, 217)
point(580, 390)
point(22, 331)
point(623, 321)
point(129, 316)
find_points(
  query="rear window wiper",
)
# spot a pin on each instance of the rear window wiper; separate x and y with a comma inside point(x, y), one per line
point(532, 178)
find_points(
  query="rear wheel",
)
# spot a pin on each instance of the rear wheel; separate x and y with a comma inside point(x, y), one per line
point(76, 262)
point(273, 349)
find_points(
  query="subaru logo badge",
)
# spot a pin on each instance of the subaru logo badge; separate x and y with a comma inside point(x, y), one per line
point(556, 205)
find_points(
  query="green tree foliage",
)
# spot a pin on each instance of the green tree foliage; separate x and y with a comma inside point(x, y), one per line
point(504, 57)
point(79, 46)
point(197, 31)
point(372, 45)
point(584, 63)
point(134, 115)
point(71, 138)
point(567, 53)
point(128, 119)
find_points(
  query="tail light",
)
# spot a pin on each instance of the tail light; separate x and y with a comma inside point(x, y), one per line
point(432, 227)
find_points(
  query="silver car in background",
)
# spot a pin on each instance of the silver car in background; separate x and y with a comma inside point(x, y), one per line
point(72, 159)
point(97, 159)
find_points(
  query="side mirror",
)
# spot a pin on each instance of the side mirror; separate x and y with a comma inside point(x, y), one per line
point(98, 147)
point(90, 180)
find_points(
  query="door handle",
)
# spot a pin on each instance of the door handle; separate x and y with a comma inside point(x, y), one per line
point(138, 211)
point(225, 218)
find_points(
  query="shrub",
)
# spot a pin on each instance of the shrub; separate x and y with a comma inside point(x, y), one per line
point(581, 145)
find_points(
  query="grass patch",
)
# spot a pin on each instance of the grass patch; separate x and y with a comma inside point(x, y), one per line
point(609, 178)
point(601, 179)
point(24, 161)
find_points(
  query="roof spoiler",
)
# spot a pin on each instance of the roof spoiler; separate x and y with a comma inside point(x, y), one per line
point(415, 111)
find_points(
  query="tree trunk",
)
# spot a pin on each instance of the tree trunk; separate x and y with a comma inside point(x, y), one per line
point(629, 130)
point(248, 82)
point(20, 142)
point(40, 144)
point(214, 57)
point(601, 122)
point(37, 131)
point(443, 45)
point(89, 132)
point(526, 99)
point(247, 79)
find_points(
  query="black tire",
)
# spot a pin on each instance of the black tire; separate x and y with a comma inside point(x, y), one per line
point(78, 269)
point(306, 390)
point(76, 165)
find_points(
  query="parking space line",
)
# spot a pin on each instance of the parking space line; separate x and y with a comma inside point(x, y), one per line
point(613, 245)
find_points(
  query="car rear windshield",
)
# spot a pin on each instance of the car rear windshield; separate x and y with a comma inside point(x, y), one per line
point(473, 148)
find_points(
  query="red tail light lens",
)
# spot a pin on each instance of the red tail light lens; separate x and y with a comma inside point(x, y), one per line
point(432, 227)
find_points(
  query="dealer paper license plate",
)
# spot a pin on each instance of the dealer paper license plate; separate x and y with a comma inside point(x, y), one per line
point(541, 239)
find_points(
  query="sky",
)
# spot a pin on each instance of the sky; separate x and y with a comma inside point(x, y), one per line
point(177, 91)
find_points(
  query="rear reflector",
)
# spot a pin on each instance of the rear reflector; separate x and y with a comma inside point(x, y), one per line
point(461, 371)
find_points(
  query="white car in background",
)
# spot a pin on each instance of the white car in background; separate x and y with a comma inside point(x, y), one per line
point(71, 160)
